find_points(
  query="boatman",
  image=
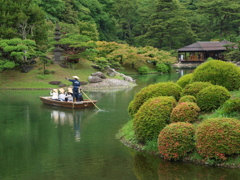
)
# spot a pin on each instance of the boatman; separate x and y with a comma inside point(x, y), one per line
point(76, 85)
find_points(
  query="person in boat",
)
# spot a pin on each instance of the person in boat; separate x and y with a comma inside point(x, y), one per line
point(61, 96)
point(69, 95)
point(54, 94)
point(76, 85)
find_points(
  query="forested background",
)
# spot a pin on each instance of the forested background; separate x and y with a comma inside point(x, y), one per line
point(162, 24)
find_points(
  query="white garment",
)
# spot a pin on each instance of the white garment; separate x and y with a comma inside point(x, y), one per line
point(70, 98)
point(54, 95)
point(61, 97)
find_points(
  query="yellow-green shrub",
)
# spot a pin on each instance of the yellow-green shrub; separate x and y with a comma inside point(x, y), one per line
point(194, 88)
point(231, 105)
point(218, 137)
point(212, 97)
point(185, 112)
point(218, 72)
point(176, 140)
point(187, 98)
point(184, 80)
point(152, 117)
point(154, 90)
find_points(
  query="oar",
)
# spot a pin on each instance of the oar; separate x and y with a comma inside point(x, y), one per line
point(90, 99)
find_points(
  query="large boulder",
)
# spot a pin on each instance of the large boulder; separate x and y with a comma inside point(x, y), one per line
point(99, 74)
point(55, 82)
point(94, 79)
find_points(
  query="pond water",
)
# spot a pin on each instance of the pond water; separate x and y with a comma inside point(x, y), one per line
point(44, 142)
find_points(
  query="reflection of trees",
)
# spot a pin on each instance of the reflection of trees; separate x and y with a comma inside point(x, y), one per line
point(72, 119)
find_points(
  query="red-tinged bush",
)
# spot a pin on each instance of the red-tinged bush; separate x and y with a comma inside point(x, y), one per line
point(152, 117)
point(154, 90)
point(184, 80)
point(187, 98)
point(176, 140)
point(212, 97)
point(218, 138)
point(194, 88)
point(185, 112)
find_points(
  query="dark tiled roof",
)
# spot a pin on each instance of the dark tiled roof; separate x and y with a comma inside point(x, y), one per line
point(206, 46)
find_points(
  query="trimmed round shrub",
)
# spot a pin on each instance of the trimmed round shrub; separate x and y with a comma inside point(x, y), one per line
point(187, 98)
point(184, 80)
point(194, 88)
point(185, 112)
point(231, 105)
point(218, 138)
point(218, 72)
point(212, 97)
point(155, 90)
point(143, 70)
point(130, 107)
point(152, 117)
point(161, 67)
point(176, 140)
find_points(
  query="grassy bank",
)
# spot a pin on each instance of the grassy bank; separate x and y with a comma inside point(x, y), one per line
point(35, 78)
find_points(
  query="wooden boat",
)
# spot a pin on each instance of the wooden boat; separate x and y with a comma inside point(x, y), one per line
point(74, 105)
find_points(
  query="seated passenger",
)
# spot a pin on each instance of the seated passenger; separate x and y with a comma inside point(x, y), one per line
point(69, 95)
point(54, 94)
point(61, 96)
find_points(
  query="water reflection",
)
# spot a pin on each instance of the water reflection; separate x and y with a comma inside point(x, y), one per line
point(65, 118)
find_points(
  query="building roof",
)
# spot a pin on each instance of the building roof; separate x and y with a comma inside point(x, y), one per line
point(206, 46)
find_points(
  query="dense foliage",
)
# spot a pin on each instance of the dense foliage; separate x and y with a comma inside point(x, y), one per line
point(231, 105)
point(218, 72)
point(184, 80)
point(187, 98)
point(185, 112)
point(218, 137)
point(155, 90)
point(212, 97)
point(194, 88)
point(152, 117)
point(176, 140)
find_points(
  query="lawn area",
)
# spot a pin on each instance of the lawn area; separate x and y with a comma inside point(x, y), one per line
point(36, 79)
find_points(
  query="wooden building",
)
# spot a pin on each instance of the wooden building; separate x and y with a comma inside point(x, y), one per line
point(201, 50)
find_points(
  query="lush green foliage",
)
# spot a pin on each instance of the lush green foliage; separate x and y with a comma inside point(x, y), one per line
point(187, 98)
point(185, 112)
point(218, 72)
point(152, 117)
point(162, 68)
point(184, 80)
point(176, 140)
point(155, 90)
point(212, 97)
point(218, 137)
point(143, 70)
point(194, 88)
point(231, 105)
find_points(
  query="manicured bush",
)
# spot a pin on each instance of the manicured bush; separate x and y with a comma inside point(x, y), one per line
point(143, 70)
point(218, 138)
point(161, 67)
point(187, 98)
point(231, 105)
point(152, 117)
point(185, 112)
point(194, 88)
point(155, 90)
point(212, 97)
point(218, 72)
point(176, 140)
point(184, 80)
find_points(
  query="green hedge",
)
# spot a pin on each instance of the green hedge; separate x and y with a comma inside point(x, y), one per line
point(187, 98)
point(231, 105)
point(176, 140)
point(194, 88)
point(184, 80)
point(152, 117)
point(218, 72)
point(212, 97)
point(218, 138)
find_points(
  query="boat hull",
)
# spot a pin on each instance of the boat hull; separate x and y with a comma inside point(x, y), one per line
point(73, 105)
